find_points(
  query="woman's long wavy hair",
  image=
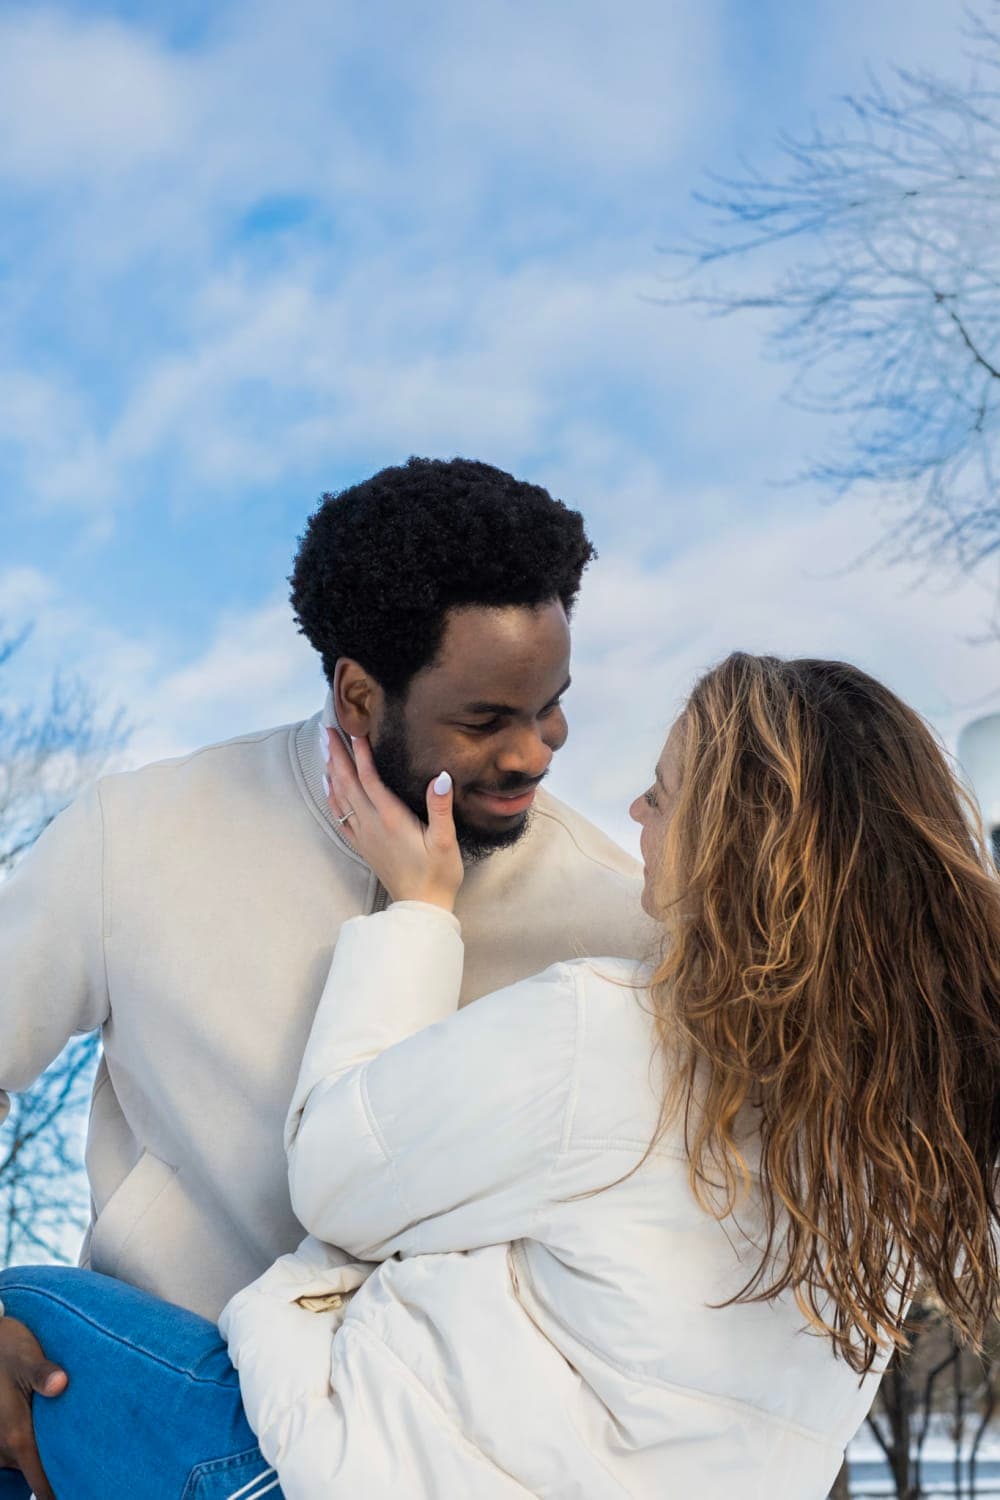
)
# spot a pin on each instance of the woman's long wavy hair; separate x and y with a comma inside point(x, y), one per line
point(832, 972)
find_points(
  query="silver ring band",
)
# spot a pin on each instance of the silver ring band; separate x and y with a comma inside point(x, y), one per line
point(339, 822)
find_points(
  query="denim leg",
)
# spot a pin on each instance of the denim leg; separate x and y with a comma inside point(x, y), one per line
point(153, 1404)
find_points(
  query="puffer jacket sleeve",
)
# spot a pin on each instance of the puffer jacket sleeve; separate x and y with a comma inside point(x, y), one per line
point(279, 1328)
point(417, 1127)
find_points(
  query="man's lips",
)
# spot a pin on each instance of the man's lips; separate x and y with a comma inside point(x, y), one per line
point(506, 804)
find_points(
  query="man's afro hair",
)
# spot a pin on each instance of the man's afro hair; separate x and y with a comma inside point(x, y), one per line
point(381, 563)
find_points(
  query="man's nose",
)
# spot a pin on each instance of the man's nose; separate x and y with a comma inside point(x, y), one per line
point(526, 753)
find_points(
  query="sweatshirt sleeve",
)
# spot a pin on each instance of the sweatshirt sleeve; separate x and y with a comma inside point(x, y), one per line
point(416, 1127)
point(52, 975)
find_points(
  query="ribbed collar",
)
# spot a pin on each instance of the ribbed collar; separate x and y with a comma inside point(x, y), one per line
point(310, 749)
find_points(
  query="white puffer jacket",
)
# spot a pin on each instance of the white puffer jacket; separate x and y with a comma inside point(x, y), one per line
point(514, 1337)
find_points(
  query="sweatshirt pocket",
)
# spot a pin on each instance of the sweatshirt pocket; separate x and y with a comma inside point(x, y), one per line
point(126, 1209)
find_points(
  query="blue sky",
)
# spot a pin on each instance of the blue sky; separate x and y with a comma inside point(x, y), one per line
point(252, 252)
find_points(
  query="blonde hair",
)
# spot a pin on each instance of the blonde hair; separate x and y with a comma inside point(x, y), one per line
point(832, 968)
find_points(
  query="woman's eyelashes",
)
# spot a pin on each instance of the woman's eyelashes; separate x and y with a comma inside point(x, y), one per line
point(650, 799)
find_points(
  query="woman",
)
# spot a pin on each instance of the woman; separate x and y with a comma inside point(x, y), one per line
point(645, 1233)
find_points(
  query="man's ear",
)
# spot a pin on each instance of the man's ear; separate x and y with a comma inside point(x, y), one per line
point(357, 697)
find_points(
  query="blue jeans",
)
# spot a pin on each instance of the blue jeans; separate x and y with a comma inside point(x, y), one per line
point(153, 1404)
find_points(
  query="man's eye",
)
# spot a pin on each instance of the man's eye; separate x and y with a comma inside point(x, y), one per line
point(480, 728)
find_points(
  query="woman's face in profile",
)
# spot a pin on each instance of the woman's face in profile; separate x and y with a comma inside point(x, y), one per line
point(654, 809)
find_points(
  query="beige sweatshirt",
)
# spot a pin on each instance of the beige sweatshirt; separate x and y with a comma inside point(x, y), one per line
point(191, 909)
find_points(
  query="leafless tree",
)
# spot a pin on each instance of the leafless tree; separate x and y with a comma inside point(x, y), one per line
point(941, 1385)
point(876, 248)
point(43, 1195)
point(46, 756)
point(892, 1426)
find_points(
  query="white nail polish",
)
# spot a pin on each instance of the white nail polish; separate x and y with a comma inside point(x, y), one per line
point(326, 785)
point(442, 784)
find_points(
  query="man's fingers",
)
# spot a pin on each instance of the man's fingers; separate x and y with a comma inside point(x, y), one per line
point(20, 1451)
point(49, 1379)
point(25, 1375)
point(35, 1476)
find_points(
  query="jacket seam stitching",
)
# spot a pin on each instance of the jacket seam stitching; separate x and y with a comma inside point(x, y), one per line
point(240, 739)
point(84, 1317)
point(625, 1143)
point(580, 1021)
point(382, 1144)
point(146, 1208)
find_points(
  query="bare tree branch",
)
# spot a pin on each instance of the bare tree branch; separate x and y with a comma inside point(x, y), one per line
point(46, 756)
point(877, 258)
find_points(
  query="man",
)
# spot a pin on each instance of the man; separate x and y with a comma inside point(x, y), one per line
point(190, 909)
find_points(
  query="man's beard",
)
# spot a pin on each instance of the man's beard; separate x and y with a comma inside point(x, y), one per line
point(394, 765)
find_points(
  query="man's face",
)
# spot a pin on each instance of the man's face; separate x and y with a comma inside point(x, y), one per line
point(488, 711)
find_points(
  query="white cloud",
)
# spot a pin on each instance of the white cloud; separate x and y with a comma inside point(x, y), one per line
point(135, 163)
point(48, 433)
point(70, 637)
point(281, 376)
point(432, 339)
point(601, 90)
point(276, 98)
point(23, 592)
point(854, 37)
point(78, 94)
point(254, 672)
